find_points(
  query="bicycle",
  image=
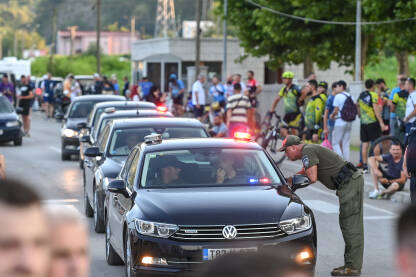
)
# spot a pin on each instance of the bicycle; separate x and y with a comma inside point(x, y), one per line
point(270, 138)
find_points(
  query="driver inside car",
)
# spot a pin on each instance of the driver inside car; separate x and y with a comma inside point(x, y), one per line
point(130, 141)
point(170, 171)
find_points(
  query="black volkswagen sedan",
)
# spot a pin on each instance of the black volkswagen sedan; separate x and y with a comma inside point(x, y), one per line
point(10, 125)
point(76, 114)
point(104, 160)
point(88, 127)
point(179, 203)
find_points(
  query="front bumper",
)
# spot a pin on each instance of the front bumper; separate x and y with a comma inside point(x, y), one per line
point(184, 257)
point(10, 133)
point(70, 145)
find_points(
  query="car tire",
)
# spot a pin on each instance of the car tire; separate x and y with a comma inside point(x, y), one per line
point(99, 226)
point(127, 254)
point(111, 255)
point(18, 142)
point(89, 212)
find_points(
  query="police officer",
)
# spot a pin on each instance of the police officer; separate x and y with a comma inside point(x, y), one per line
point(324, 165)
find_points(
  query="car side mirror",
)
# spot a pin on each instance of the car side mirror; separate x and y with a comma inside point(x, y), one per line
point(82, 125)
point(59, 116)
point(118, 186)
point(299, 181)
point(19, 110)
point(92, 152)
point(86, 139)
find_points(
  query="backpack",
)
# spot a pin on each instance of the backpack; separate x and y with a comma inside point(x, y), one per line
point(411, 152)
point(349, 110)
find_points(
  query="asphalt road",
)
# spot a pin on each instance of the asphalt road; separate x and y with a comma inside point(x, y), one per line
point(38, 163)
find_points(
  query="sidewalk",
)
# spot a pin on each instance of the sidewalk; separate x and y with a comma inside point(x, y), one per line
point(400, 197)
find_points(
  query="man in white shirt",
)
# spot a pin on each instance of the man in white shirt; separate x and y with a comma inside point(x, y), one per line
point(237, 80)
point(410, 116)
point(198, 97)
point(342, 130)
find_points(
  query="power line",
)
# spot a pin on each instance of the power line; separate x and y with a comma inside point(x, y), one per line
point(350, 23)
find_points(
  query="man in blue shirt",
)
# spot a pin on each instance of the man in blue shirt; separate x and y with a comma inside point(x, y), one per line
point(401, 80)
point(217, 92)
point(219, 130)
point(176, 89)
point(145, 86)
point(48, 97)
point(329, 108)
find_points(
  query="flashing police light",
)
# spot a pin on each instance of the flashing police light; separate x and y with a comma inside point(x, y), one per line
point(110, 110)
point(162, 109)
point(242, 136)
point(153, 139)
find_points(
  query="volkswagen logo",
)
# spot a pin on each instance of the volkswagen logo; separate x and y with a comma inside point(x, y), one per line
point(229, 232)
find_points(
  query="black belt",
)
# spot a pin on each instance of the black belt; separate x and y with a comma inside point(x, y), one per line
point(344, 175)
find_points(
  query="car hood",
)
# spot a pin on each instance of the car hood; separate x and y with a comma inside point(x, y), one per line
point(71, 123)
point(8, 116)
point(112, 166)
point(215, 205)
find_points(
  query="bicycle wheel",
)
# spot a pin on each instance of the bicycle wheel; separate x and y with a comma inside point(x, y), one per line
point(382, 145)
point(273, 147)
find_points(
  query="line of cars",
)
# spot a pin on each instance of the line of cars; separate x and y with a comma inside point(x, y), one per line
point(169, 198)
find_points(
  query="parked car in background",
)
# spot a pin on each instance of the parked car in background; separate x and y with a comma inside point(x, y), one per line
point(10, 124)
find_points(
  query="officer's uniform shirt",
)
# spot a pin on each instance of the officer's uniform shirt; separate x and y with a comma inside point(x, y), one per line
point(328, 163)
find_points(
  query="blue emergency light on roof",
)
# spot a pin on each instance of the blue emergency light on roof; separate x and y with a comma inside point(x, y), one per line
point(153, 139)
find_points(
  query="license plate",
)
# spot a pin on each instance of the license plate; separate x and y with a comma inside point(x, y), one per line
point(211, 254)
point(1, 132)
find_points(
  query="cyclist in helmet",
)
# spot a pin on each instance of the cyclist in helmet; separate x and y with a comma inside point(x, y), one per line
point(293, 100)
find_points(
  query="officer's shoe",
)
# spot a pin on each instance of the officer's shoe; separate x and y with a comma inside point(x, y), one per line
point(345, 271)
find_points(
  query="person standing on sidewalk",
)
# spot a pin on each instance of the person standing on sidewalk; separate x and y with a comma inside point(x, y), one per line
point(401, 79)
point(370, 116)
point(25, 100)
point(198, 97)
point(323, 165)
point(329, 108)
point(410, 116)
point(342, 128)
point(237, 111)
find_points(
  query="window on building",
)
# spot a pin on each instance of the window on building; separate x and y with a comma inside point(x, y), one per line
point(272, 76)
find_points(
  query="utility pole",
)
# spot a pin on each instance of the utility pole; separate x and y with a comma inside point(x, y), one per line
point(98, 53)
point(53, 45)
point(357, 70)
point(198, 38)
point(224, 62)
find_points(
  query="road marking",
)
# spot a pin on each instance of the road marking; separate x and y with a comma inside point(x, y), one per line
point(57, 201)
point(380, 217)
point(56, 149)
point(322, 206)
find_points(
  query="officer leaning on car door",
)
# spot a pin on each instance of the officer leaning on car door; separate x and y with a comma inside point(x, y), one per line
point(324, 165)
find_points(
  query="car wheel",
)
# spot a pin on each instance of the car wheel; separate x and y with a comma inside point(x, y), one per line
point(18, 142)
point(87, 207)
point(127, 254)
point(110, 254)
point(98, 217)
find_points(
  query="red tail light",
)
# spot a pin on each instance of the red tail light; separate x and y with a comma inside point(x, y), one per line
point(162, 109)
point(242, 136)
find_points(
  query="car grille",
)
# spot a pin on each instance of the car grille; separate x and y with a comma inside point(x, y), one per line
point(214, 232)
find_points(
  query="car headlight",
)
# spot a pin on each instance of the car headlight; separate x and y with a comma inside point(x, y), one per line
point(12, 123)
point(296, 225)
point(155, 229)
point(69, 133)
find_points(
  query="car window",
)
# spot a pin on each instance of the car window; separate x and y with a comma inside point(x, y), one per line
point(103, 138)
point(207, 167)
point(5, 106)
point(132, 170)
point(126, 166)
point(81, 109)
point(123, 140)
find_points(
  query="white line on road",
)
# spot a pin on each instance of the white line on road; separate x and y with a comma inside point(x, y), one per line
point(322, 206)
point(57, 201)
point(56, 149)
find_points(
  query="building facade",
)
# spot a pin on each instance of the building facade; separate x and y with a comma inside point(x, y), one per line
point(111, 43)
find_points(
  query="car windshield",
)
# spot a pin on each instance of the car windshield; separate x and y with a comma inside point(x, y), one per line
point(81, 109)
point(123, 140)
point(5, 106)
point(207, 168)
point(86, 82)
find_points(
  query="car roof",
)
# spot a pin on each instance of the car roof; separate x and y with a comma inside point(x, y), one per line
point(192, 143)
point(139, 104)
point(99, 97)
point(121, 113)
point(154, 121)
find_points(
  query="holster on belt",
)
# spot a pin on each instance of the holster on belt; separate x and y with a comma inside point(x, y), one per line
point(344, 175)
